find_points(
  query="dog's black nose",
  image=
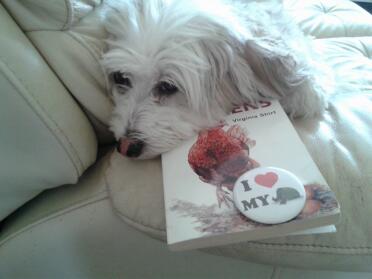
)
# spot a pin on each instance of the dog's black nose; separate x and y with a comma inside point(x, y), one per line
point(130, 147)
point(135, 148)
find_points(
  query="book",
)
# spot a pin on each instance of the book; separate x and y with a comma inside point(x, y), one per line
point(200, 175)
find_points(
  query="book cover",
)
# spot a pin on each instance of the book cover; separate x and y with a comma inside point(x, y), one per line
point(199, 178)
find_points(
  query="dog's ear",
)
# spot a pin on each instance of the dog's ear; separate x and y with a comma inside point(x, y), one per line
point(230, 77)
point(273, 65)
point(262, 68)
point(242, 70)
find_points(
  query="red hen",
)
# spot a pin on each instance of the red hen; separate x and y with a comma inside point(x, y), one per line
point(219, 157)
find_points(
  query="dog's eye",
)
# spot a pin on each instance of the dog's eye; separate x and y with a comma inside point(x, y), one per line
point(165, 88)
point(121, 80)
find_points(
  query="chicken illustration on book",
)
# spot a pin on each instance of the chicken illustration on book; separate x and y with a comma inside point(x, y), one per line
point(220, 157)
point(248, 178)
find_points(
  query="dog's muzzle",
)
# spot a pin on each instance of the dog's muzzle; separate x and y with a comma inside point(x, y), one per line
point(130, 147)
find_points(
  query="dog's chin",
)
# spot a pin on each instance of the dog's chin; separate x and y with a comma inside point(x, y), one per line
point(146, 155)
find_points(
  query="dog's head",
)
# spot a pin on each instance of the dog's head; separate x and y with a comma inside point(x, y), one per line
point(174, 69)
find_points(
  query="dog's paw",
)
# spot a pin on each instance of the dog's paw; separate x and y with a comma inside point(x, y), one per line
point(309, 102)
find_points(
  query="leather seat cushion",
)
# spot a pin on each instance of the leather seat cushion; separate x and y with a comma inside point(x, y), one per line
point(45, 138)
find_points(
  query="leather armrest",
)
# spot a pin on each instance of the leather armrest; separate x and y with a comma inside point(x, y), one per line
point(45, 139)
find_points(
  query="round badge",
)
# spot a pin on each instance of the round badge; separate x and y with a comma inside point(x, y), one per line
point(269, 195)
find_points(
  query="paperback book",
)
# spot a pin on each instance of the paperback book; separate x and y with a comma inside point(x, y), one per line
point(201, 174)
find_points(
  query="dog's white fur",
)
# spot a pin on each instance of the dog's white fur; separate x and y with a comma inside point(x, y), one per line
point(217, 54)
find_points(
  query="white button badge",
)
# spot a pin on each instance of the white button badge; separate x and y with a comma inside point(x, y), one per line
point(269, 195)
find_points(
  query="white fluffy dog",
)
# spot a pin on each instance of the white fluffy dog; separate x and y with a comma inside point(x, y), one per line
point(179, 66)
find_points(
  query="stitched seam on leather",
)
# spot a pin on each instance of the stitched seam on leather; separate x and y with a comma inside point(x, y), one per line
point(139, 226)
point(54, 216)
point(71, 152)
point(69, 16)
point(312, 248)
point(86, 46)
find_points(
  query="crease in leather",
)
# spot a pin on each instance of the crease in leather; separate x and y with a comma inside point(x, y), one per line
point(56, 131)
point(86, 45)
point(81, 42)
point(365, 51)
point(330, 12)
point(65, 25)
point(342, 24)
point(55, 215)
point(141, 227)
point(275, 273)
point(130, 220)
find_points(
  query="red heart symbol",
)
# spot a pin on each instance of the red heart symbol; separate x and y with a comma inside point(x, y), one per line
point(267, 180)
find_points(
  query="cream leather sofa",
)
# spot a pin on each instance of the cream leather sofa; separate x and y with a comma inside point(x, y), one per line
point(104, 217)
